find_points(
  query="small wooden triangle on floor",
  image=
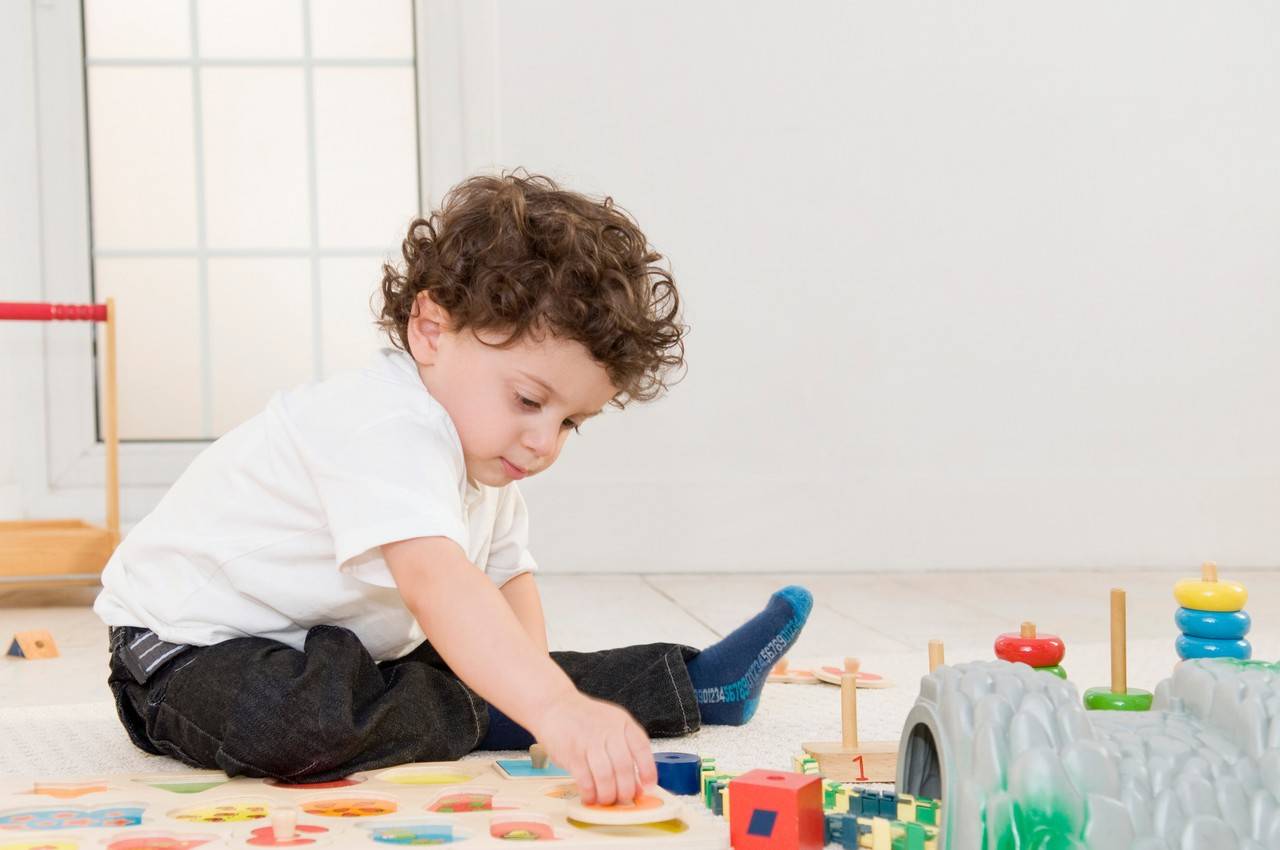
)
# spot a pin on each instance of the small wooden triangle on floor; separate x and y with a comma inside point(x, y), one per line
point(33, 644)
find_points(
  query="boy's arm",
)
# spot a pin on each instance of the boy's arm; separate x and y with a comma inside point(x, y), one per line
point(476, 632)
point(522, 595)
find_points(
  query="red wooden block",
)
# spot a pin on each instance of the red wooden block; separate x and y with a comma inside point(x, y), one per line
point(775, 810)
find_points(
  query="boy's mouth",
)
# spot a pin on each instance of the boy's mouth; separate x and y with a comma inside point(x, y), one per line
point(513, 471)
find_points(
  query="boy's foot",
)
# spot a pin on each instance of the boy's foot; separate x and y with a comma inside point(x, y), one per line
point(728, 676)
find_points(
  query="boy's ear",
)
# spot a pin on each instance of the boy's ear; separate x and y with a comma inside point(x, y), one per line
point(427, 321)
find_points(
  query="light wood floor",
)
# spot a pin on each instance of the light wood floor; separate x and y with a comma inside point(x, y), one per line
point(872, 615)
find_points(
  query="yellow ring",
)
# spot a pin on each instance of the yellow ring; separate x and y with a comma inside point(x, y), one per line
point(1210, 595)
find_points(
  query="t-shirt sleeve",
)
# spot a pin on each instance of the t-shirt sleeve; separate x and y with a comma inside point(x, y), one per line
point(509, 554)
point(390, 480)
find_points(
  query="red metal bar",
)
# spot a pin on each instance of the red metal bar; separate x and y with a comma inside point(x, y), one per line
point(37, 311)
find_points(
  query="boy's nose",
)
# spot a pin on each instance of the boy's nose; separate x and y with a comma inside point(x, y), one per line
point(540, 440)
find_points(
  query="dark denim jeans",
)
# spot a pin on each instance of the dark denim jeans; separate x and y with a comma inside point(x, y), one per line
point(257, 707)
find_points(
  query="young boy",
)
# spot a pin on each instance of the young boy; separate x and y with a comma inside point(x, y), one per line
point(342, 582)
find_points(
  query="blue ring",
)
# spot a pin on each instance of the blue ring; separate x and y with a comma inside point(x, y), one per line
point(1194, 647)
point(1215, 625)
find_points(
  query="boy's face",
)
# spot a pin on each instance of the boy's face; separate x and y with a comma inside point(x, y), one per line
point(513, 407)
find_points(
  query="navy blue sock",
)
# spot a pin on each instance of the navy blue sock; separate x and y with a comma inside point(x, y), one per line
point(504, 734)
point(728, 676)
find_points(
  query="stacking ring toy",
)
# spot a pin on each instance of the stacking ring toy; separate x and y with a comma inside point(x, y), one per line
point(1215, 625)
point(1105, 699)
point(1029, 648)
point(1055, 670)
point(1194, 647)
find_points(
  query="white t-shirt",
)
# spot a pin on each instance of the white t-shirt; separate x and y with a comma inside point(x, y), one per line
point(276, 526)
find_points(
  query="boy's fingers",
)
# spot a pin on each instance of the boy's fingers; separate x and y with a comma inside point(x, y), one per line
point(624, 768)
point(642, 752)
point(602, 773)
point(581, 774)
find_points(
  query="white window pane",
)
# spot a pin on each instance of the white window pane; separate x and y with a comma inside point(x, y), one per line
point(143, 161)
point(259, 333)
point(256, 28)
point(350, 293)
point(132, 29)
point(255, 150)
point(157, 345)
point(382, 29)
point(366, 155)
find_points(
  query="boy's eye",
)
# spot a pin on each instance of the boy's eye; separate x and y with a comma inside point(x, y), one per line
point(528, 402)
point(569, 423)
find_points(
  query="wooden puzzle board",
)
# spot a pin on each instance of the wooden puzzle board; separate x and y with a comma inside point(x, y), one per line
point(469, 803)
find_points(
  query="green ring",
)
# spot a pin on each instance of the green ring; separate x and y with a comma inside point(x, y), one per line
point(1103, 699)
point(1056, 670)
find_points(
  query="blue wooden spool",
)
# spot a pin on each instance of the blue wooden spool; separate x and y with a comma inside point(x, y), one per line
point(1194, 647)
point(1213, 625)
point(679, 773)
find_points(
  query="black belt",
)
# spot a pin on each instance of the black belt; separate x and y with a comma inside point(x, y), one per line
point(143, 653)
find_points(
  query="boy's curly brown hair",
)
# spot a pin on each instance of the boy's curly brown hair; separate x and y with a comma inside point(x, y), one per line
point(518, 255)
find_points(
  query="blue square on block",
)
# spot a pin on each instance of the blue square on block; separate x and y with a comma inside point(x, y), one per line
point(762, 823)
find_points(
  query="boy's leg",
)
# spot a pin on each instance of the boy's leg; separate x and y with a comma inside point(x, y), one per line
point(671, 690)
point(256, 707)
point(650, 680)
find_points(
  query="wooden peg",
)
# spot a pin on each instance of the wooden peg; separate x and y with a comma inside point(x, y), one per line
point(284, 823)
point(1208, 571)
point(852, 665)
point(538, 757)
point(936, 655)
point(1028, 629)
point(1119, 664)
point(849, 710)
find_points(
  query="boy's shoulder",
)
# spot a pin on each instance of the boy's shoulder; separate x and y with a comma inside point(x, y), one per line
point(385, 397)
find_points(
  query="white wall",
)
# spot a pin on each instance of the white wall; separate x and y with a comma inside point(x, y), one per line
point(978, 284)
point(974, 284)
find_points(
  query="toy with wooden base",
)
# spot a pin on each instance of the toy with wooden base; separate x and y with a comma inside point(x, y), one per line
point(1211, 617)
point(850, 760)
point(470, 802)
point(68, 550)
point(1119, 697)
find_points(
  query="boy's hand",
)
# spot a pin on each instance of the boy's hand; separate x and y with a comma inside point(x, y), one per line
point(601, 746)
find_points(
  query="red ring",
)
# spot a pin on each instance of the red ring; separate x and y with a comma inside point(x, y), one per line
point(1040, 651)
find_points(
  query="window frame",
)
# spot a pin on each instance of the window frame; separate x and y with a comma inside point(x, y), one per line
point(456, 77)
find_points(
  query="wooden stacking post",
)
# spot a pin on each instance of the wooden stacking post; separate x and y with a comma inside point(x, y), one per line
point(1119, 673)
point(936, 656)
point(849, 759)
